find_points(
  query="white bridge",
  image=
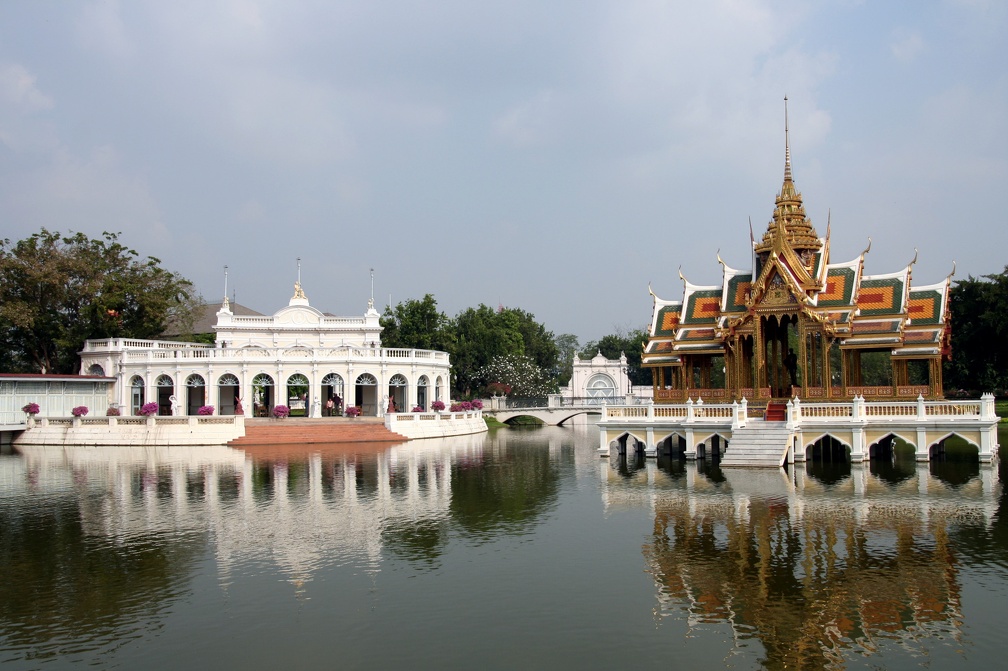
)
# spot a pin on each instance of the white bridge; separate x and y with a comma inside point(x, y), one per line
point(555, 410)
point(698, 428)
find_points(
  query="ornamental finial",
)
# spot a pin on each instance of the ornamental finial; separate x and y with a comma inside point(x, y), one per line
point(787, 146)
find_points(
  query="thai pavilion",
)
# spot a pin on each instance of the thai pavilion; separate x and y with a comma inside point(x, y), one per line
point(796, 324)
point(298, 357)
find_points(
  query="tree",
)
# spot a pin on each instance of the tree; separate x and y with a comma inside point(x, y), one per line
point(567, 347)
point(520, 374)
point(979, 322)
point(417, 324)
point(483, 334)
point(622, 342)
point(58, 291)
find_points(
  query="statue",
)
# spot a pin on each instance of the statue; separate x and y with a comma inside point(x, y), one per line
point(298, 291)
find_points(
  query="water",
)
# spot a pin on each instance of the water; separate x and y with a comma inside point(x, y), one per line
point(521, 549)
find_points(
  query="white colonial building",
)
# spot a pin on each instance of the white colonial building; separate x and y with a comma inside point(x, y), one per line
point(298, 357)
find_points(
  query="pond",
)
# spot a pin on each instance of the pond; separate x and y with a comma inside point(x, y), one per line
point(518, 549)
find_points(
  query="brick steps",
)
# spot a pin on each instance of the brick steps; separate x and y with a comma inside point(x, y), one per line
point(315, 431)
point(776, 412)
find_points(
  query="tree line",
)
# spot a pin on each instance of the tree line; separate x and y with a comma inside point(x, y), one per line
point(56, 291)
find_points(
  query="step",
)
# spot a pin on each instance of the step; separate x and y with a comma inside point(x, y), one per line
point(316, 431)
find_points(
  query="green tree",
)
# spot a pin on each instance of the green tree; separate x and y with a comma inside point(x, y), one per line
point(417, 324)
point(979, 322)
point(567, 346)
point(58, 291)
point(483, 334)
point(629, 343)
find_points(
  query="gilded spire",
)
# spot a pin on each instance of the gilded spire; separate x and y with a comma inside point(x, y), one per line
point(787, 146)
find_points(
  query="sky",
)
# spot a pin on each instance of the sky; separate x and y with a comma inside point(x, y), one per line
point(558, 157)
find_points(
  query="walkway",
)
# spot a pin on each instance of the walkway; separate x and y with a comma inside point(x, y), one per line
point(857, 424)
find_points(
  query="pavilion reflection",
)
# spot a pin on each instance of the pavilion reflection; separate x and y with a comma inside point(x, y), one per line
point(810, 568)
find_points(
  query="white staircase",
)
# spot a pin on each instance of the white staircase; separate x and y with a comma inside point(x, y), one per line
point(759, 443)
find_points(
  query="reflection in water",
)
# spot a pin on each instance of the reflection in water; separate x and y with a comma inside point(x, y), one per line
point(831, 558)
point(491, 550)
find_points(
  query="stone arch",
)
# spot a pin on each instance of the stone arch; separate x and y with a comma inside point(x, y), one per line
point(627, 443)
point(228, 394)
point(165, 393)
point(195, 393)
point(827, 447)
point(96, 369)
point(366, 394)
point(672, 444)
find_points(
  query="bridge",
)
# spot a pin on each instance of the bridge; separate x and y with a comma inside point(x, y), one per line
point(859, 426)
point(554, 410)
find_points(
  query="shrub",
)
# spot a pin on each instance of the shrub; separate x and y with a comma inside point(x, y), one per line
point(205, 410)
point(79, 411)
point(148, 409)
point(437, 405)
point(281, 411)
point(31, 408)
point(477, 404)
point(352, 411)
point(112, 411)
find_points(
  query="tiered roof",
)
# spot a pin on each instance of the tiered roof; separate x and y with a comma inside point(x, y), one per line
point(791, 272)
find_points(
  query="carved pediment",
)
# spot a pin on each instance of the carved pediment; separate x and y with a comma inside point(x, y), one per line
point(298, 316)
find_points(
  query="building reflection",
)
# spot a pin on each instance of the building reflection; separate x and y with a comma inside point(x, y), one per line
point(809, 567)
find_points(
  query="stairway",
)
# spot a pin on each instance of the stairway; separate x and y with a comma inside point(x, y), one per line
point(324, 430)
point(760, 443)
point(776, 412)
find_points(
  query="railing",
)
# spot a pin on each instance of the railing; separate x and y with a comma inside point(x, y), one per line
point(852, 411)
point(141, 351)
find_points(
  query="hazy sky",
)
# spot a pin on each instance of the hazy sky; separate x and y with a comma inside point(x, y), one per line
point(555, 156)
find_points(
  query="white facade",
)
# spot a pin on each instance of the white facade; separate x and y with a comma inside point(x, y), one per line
point(298, 357)
point(599, 379)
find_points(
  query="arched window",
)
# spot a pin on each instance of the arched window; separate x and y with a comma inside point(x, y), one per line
point(366, 394)
point(195, 393)
point(228, 395)
point(297, 395)
point(398, 393)
point(421, 392)
point(136, 394)
point(262, 395)
point(332, 390)
point(165, 394)
point(600, 388)
point(95, 369)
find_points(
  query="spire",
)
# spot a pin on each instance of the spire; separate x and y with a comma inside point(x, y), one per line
point(224, 304)
point(787, 146)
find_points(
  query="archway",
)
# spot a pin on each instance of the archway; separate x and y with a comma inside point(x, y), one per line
point(165, 393)
point(228, 394)
point(137, 394)
point(421, 392)
point(195, 394)
point(96, 369)
point(398, 392)
point(366, 394)
point(600, 389)
point(298, 399)
point(332, 389)
point(262, 395)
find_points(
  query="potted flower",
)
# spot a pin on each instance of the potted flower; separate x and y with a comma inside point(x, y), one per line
point(417, 408)
point(437, 406)
point(31, 409)
point(205, 410)
point(352, 411)
point(112, 411)
point(79, 411)
point(477, 404)
point(148, 409)
point(281, 411)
